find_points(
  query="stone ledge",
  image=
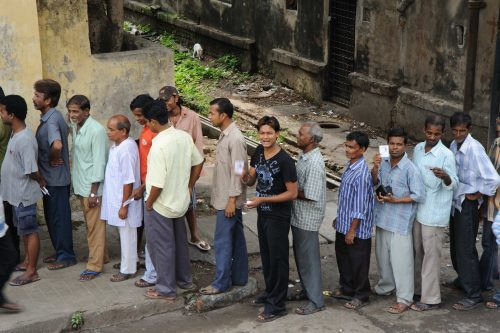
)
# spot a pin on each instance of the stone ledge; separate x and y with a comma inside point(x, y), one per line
point(428, 102)
point(221, 36)
point(293, 60)
point(373, 85)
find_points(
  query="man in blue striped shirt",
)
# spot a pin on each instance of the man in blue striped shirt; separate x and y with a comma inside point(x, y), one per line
point(354, 224)
point(394, 215)
point(477, 176)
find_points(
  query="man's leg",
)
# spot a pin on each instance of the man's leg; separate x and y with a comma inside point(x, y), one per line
point(431, 266)
point(383, 252)
point(7, 262)
point(59, 211)
point(466, 225)
point(359, 256)
point(150, 273)
point(183, 275)
point(418, 249)
point(27, 227)
point(128, 245)
point(239, 268)
point(487, 261)
point(344, 266)
point(7, 207)
point(96, 235)
point(262, 224)
point(192, 224)
point(223, 241)
point(307, 258)
point(401, 254)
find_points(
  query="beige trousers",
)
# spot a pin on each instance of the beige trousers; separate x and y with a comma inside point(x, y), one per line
point(96, 236)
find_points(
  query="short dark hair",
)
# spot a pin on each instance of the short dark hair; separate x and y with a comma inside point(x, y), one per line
point(50, 89)
point(224, 106)
point(269, 121)
point(140, 101)
point(361, 138)
point(156, 110)
point(80, 100)
point(459, 118)
point(16, 105)
point(435, 120)
point(397, 132)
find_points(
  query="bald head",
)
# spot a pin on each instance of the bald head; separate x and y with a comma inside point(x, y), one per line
point(121, 122)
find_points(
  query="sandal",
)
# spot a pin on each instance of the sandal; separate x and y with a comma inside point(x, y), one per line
point(119, 277)
point(420, 307)
point(143, 284)
point(60, 265)
point(398, 308)
point(308, 309)
point(200, 244)
point(154, 294)
point(465, 304)
point(355, 304)
point(493, 304)
point(21, 281)
point(88, 275)
point(210, 291)
point(265, 317)
point(50, 259)
point(339, 294)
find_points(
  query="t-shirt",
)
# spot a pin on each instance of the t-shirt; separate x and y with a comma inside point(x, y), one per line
point(145, 142)
point(19, 162)
point(272, 175)
point(53, 127)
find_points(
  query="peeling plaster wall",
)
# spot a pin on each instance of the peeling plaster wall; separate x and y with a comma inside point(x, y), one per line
point(20, 55)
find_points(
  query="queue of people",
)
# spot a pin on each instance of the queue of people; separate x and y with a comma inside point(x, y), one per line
point(150, 185)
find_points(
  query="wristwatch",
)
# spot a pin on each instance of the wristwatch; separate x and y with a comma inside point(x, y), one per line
point(92, 195)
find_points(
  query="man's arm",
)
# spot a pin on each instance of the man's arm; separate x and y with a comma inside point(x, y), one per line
point(127, 192)
point(154, 193)
point(289, 195)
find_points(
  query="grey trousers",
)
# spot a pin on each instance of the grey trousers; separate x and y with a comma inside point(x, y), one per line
point(167, 246)
point(395, 265)
point(307, 259)
point(428, 245)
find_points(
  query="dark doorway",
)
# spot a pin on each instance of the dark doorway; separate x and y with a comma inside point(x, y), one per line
point(341, 52)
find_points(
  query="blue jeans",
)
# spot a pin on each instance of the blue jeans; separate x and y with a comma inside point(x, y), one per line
point(58, 218)
point(231, 256)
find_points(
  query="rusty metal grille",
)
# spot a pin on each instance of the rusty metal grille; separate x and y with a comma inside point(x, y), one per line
point(341, 56)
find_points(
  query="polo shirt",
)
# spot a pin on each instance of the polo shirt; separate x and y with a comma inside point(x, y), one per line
point(170, 159)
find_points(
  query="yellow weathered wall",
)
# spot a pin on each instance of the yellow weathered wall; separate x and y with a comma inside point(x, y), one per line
point(20, 56)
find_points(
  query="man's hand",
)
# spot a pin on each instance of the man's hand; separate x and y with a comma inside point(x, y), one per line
point(138, 192)
point(377, 159)
point(441, 174)
point(386, 198)
point(149, 205)
point(334, 223)
point(230, 210)
point(473, 196)
point(254, 202)
point(93, 202)
point(349, 237)
point(123, 212)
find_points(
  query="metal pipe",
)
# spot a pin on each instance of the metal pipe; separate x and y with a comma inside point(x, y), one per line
point(495, 89)
point(470, 69)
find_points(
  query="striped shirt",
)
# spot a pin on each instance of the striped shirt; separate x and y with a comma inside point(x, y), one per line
point(475, 171)
point(308, 214)
point(435, 210)
point(356, 199)
point(405, 181)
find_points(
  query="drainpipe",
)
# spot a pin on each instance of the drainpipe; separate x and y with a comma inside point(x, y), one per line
point(470, 69)
point(495, 89)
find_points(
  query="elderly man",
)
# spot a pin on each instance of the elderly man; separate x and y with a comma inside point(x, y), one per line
point(89, 161)
point(308, 212)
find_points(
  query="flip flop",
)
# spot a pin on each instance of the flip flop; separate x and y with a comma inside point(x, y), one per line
point(20, 281)
point(355, 304)
point(265, 318)
point(200, 244)
point(88, 275)
point(143, 283)
point(493, 304)
point(308, 309)
point(398, 308)
point(210, 291)
point(420, 307)
point(60, 265)
point(50, 259)
point(465, 305)
point(154, 294)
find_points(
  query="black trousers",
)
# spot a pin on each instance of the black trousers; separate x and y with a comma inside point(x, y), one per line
point(8, 256)
point(353, 262)
point(9, 220)
point(464, 256)
point(273, 243)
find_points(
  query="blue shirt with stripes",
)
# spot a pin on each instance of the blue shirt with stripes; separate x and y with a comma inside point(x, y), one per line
point(356, 199)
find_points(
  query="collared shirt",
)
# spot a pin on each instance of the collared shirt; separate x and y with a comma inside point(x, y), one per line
point(170, 159)
point(20, 161)
point(89, 151)
point(475, 171)
point(122, 169)
point(311, 176)
point(225, 183)
point(405, 181)
point(145, 142)
point(435, 210)
point(53, 127)
point(356, 199)
point(189, 122)
point(494, 154)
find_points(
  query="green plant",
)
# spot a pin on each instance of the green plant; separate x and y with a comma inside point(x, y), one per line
point(167, 40)
point(229, 62)
point(77, 320)
point(127, 26)
point(144, 28)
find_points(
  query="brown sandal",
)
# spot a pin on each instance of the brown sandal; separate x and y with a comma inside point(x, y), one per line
point(119, 277)
point(154, 294)
point(398, 308)
point(143, 284)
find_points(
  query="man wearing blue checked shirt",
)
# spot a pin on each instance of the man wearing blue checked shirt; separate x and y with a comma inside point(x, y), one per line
point(477, 176)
